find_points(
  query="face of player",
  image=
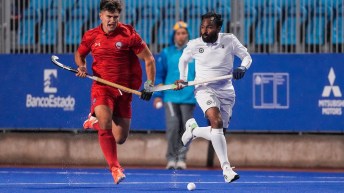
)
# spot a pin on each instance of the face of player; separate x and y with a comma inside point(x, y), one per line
point(209, 31)
point(109, 20)
point(181, 37)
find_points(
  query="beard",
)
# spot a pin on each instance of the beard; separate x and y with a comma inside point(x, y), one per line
point(209, 38)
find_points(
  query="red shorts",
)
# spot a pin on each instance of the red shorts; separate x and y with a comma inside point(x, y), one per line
point(119, 102)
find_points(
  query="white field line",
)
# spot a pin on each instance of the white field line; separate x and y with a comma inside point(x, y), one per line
point(165, 174)
point(142, 183)
point(93, 173)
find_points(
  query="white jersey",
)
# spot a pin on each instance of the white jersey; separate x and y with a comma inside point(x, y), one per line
point(213, 60)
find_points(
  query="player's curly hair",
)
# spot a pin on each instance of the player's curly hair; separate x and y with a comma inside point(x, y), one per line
point(217, 18)
point(111, 5)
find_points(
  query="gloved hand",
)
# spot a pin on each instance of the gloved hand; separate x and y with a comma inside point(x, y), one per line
point(239, 72)
point(146, 93)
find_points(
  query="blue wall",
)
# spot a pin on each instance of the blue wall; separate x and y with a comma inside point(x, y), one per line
point(278, 93)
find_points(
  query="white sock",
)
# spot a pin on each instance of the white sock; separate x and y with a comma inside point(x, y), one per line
point(220, 146)
point(203, 132)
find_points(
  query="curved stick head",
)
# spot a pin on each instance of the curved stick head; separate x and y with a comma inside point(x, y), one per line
point(54, 60)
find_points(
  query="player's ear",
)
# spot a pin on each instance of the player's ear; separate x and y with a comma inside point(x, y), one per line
point(100, 15)
point(218, 29)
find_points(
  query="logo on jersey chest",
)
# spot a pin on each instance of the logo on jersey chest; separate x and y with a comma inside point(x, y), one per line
point(118, 45)
point(201, 50)
point(97, 44)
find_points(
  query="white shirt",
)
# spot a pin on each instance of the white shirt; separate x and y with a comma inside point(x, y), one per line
point(213, 59)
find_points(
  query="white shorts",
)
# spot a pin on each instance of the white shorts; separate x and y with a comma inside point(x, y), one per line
point(207, 99)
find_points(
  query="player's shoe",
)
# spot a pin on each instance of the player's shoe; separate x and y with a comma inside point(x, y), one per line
point(90, 121)
point(171, 165)
point(180, 165)
point(117, 174)
point(230, 175)
point(187, 137)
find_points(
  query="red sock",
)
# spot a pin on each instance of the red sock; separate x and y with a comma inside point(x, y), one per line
point(108, 144)
point(96, 126)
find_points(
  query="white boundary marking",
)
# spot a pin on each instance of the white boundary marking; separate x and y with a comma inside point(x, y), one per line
point(317, 179)
point(93, 173)
point(140, 183)
point(156, 174)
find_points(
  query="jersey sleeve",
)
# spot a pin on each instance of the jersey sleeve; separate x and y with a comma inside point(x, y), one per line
point(241, 51)
point(238, 49)
point(184, 60)
point(85, 45)
point(137, 44)
point(187, 53)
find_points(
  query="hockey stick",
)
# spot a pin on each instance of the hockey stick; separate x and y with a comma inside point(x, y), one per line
point(123, 88)
point(190, 83)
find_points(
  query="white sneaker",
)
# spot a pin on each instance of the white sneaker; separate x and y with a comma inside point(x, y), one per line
point(230, 175)
point(187, 137)
point(171, 165)
point(180, 165)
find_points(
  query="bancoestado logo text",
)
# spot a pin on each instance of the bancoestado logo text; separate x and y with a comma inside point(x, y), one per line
point(332, 101)
point(50, 98)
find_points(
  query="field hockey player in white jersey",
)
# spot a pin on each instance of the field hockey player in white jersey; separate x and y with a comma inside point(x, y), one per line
point(214, 54)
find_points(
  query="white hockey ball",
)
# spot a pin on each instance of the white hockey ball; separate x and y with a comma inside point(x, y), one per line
point(191, 186)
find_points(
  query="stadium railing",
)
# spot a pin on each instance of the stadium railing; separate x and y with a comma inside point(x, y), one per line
point(264, 26)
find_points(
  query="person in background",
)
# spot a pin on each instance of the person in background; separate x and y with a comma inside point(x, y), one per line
point(179, 105)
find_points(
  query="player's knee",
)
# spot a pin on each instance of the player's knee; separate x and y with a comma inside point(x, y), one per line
point(216, 123)
point(106, 124)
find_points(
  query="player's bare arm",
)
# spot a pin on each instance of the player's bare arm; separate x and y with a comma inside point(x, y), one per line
point(81, 63)
point(147, 56)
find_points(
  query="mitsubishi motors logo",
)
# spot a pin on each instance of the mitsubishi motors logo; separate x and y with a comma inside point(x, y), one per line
point(334, 89)
point(331, 104)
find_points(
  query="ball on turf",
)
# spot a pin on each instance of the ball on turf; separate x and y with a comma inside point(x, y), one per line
point(191, 186)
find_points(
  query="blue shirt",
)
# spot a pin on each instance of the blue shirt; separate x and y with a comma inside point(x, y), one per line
point(167, 72)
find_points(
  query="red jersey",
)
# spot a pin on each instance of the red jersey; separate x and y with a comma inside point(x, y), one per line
point(114, 55)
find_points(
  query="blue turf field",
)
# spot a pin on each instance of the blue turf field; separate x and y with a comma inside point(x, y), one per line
point(28, 180)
